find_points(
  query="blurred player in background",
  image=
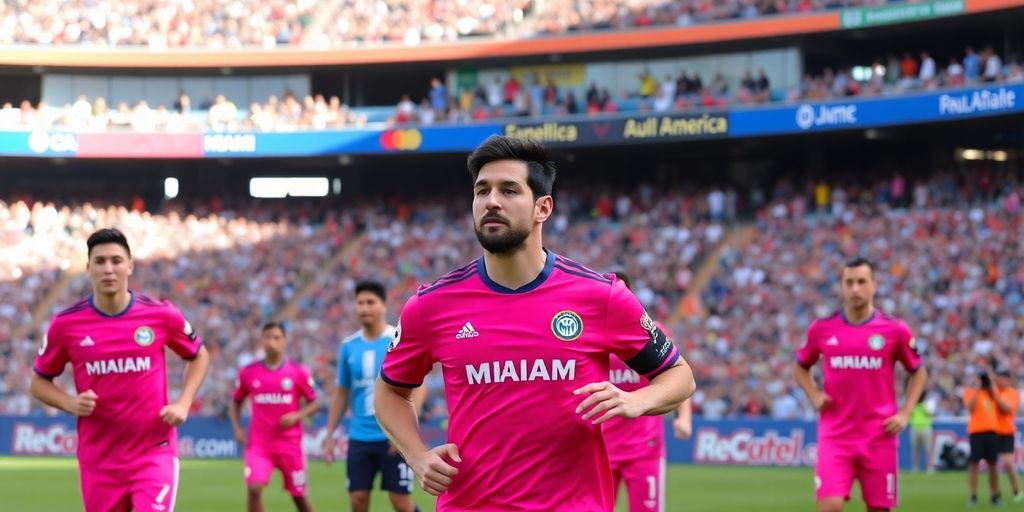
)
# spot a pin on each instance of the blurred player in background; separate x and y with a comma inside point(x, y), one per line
point(359, 360)
point(114, 340)
point(1006, 428)
point(859, 421)
point(921, 433)
point(636, 448)
point(275, 387)
point(524, 337)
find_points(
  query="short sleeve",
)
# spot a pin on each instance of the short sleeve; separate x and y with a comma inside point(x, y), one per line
point(634, 335)
point(906, 348)
point(181, 337)
point(409, 358)
point(307, 388)
point(53, 354)
point(344, 375)
point(242, 389)
point(808, 353)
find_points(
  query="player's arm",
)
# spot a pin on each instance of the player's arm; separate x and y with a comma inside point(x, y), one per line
point(683, 424)
point(1001, 403)
point(806, 357)
point(337, 404)
point(235, 413)
point(665, 393)
point(906, 354)
point(195, 371)
point(50, 363)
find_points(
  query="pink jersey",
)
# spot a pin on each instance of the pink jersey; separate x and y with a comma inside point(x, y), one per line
point(511, 361)
point(639, 438)
point(858, 371)
point(274, 392)
point(120, 358)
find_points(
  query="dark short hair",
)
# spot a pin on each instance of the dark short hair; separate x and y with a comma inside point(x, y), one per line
point(108, 236)
point(373, 287)
point(860, 261)
point(273, 325)
point(624, 277)
point(540, 169)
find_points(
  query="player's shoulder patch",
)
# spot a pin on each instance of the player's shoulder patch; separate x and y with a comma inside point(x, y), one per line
point(77, 306)
point(576, 269)
point(455, 276)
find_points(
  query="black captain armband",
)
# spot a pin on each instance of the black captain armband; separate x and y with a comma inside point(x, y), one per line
point(655, 352)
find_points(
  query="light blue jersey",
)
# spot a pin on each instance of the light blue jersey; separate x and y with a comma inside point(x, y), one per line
point(359, 362)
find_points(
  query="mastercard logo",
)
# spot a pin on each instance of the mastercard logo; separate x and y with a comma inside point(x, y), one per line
point(401, 140)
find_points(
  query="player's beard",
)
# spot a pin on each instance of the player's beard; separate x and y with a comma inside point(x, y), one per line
point(508, 242)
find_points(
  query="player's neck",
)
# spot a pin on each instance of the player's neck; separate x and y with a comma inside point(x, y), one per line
point(858, 315)
point(273, 362)
point(517, 269)
point(112, 303)
point(372, 332)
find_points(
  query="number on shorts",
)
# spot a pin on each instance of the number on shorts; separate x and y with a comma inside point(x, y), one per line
point(298, 478)
point(890, 484)
point(405, 476)
point(652, 487)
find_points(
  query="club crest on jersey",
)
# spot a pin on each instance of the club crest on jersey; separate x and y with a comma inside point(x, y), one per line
point(876, 342)
point(567, 325)
point(396, 338)
point(144, 336)
point(647, 323)
point(286, 384)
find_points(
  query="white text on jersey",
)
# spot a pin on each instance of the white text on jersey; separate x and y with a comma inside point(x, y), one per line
point(272, 398)
point(620, 376)
point(122, 365)
point(856, 362)
point(509, 371)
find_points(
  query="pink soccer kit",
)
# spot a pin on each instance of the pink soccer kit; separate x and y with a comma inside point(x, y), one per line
point(858, 369)
point(127, 455)
point(511, 360)
point(273, 393)
point(636, 447)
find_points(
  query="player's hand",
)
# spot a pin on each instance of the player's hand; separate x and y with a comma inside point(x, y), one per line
point(606, 398)
point(683, 429)
point(174, 414)
point(820, 401)
point(897, 423)
point(240, 437)
point(289, 419)
point(433, 472)
point(83, 404)
point(329, 450)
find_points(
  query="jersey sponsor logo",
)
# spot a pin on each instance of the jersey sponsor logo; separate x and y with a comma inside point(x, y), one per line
point(497, 372)
point(286, 384)
point(397, 337)
point(273, 398)
point(467, 331)
point(189, 331)
point(876, 342)
point(567, 325)
point(144, 336)
point(118, 366)
point(623, 376)
point(855, 362)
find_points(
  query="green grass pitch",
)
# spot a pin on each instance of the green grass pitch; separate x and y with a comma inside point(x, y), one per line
point(48, 484)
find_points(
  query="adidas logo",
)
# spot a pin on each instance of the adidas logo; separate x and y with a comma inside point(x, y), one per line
point(832, 341)
point(467, 331)
point(87, 342)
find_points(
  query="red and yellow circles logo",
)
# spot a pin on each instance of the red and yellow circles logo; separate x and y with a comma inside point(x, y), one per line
point(401, 140)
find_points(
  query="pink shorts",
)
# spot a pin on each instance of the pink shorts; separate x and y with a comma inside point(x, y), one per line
point(645, 483)
point(875, 466)
point(259, 464)
point(149, 485)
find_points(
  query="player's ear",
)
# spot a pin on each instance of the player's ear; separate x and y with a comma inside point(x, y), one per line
point(543, 208)
point(131, 265)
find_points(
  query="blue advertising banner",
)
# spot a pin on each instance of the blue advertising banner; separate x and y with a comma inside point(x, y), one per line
point(748, 442)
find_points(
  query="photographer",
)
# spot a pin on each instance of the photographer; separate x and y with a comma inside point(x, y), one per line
point(1007, 429)
point(984, 405)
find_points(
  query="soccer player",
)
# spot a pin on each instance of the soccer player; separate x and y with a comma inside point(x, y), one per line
point(114, 340)
point(636, 448)
point(369, 452)
point(1006, 428)
point(523, 336)
point(275, 386)
point(859, 421)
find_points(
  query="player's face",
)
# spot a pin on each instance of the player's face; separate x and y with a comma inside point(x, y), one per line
point(504, 209)
point(858, 286)
point(109, 267)
point(273, 342)
point(370, 309)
